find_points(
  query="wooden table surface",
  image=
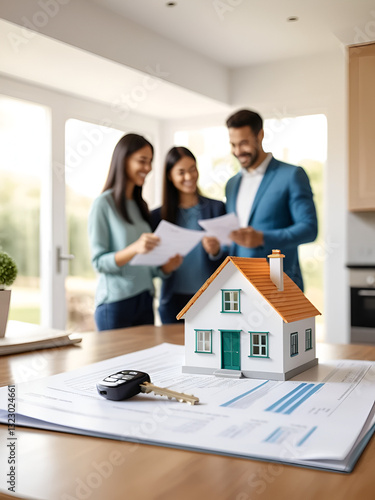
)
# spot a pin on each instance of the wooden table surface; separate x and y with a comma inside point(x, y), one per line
point(59, 466)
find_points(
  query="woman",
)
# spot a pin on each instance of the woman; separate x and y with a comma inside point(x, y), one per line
point(119, 229)
point(184, 205)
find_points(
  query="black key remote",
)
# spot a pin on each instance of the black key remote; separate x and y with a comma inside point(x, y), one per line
point(122, 385)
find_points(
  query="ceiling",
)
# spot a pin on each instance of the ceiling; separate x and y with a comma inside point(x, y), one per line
point(233, 33)
point(56, 65)
point(239, 33)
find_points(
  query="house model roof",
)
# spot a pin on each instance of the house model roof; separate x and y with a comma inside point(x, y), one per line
point(291, 303)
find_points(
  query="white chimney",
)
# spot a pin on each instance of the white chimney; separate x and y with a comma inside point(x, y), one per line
point(277, 269)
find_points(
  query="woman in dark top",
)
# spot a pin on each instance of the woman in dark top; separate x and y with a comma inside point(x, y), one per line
point(183, 205)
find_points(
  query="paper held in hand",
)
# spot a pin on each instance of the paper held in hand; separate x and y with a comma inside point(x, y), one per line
point(173, 240)
point(221, 227)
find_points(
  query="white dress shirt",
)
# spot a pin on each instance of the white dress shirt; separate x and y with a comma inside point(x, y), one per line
point(249, 185)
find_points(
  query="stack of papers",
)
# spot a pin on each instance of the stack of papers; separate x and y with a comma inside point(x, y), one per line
point(22, 337)
point(323, 418)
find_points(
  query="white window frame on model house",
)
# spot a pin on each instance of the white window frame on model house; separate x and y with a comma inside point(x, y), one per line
point(308, 339)
point(256, 339)
point(231, 298)
point(294, 344)
point(203, 341)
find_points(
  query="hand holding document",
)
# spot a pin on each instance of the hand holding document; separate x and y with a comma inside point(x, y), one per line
point(173, 240)
point(221, 227)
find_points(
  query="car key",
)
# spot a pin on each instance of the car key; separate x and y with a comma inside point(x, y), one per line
point(122, 385)
point(127, 383)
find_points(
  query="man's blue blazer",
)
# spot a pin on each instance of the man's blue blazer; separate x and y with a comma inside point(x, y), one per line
point(283, 210)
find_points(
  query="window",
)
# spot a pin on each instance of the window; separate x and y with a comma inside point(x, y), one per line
point(308, 339)
point(258, 344)
point(88, 152)
point(231, 301)
point(288, 139)
point(25, 159)
point(293, 344)
point(203, 341)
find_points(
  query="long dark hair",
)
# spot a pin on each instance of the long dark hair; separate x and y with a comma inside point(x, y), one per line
point(116, 178)
point(171, 196)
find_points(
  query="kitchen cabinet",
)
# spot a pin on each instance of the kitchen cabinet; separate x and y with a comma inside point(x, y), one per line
point(362, 128)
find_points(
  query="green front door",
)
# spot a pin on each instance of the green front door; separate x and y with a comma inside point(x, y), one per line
point(230, 350)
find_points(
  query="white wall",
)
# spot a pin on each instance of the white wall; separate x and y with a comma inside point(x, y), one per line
point(304, 356)
point(304, 86)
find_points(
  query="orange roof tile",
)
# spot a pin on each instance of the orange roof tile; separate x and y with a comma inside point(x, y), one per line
point(291, 304)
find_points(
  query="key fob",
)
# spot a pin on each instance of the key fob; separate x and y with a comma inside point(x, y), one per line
point(122, 385)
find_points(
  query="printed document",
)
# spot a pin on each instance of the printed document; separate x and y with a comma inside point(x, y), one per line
point(173, 240)
point(323, 418)
point(221, 227)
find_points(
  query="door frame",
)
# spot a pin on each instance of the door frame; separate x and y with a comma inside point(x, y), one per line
point(53, 234)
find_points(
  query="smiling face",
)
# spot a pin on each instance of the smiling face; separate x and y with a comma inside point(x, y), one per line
point(138, 165)
point(246, 146)
point(184, 175)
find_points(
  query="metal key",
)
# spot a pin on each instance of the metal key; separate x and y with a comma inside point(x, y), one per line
point(127, 383)
point(147, 387)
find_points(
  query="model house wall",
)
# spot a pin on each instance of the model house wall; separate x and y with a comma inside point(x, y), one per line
point(253, 340)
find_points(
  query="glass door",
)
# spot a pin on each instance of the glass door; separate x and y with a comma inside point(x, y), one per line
point(24, 160)
point(88, 152)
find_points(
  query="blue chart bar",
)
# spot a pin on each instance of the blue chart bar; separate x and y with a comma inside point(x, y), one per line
point(275, 405)
point(272, 438)
point(234, 400)
point(291, 401)
point(306, 436)
point(303, 399)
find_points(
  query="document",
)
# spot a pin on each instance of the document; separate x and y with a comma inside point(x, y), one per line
point(323, 418)
point(221, 227)
point(173, 240)
point(23, 337)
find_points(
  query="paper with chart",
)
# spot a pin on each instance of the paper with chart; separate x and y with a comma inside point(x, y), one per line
point(221, 227)
point(173, 240)
point(317, 420)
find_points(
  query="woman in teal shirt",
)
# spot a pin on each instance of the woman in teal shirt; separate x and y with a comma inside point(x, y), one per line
point(119, 229)
point(184, 205)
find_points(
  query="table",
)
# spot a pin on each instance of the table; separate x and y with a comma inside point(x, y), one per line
point(52, 465)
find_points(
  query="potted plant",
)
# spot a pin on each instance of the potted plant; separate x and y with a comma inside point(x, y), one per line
point(8, 273)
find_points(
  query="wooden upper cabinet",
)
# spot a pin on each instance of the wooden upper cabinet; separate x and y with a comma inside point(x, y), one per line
point(362, 128)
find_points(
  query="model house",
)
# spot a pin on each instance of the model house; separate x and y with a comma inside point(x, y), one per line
point(250, 319)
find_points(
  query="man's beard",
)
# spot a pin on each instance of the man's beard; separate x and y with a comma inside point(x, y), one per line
point(252, 158)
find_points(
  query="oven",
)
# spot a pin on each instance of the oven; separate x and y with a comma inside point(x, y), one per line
point(362, 304)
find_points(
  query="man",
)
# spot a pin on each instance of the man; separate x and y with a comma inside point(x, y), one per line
point(273, 199)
